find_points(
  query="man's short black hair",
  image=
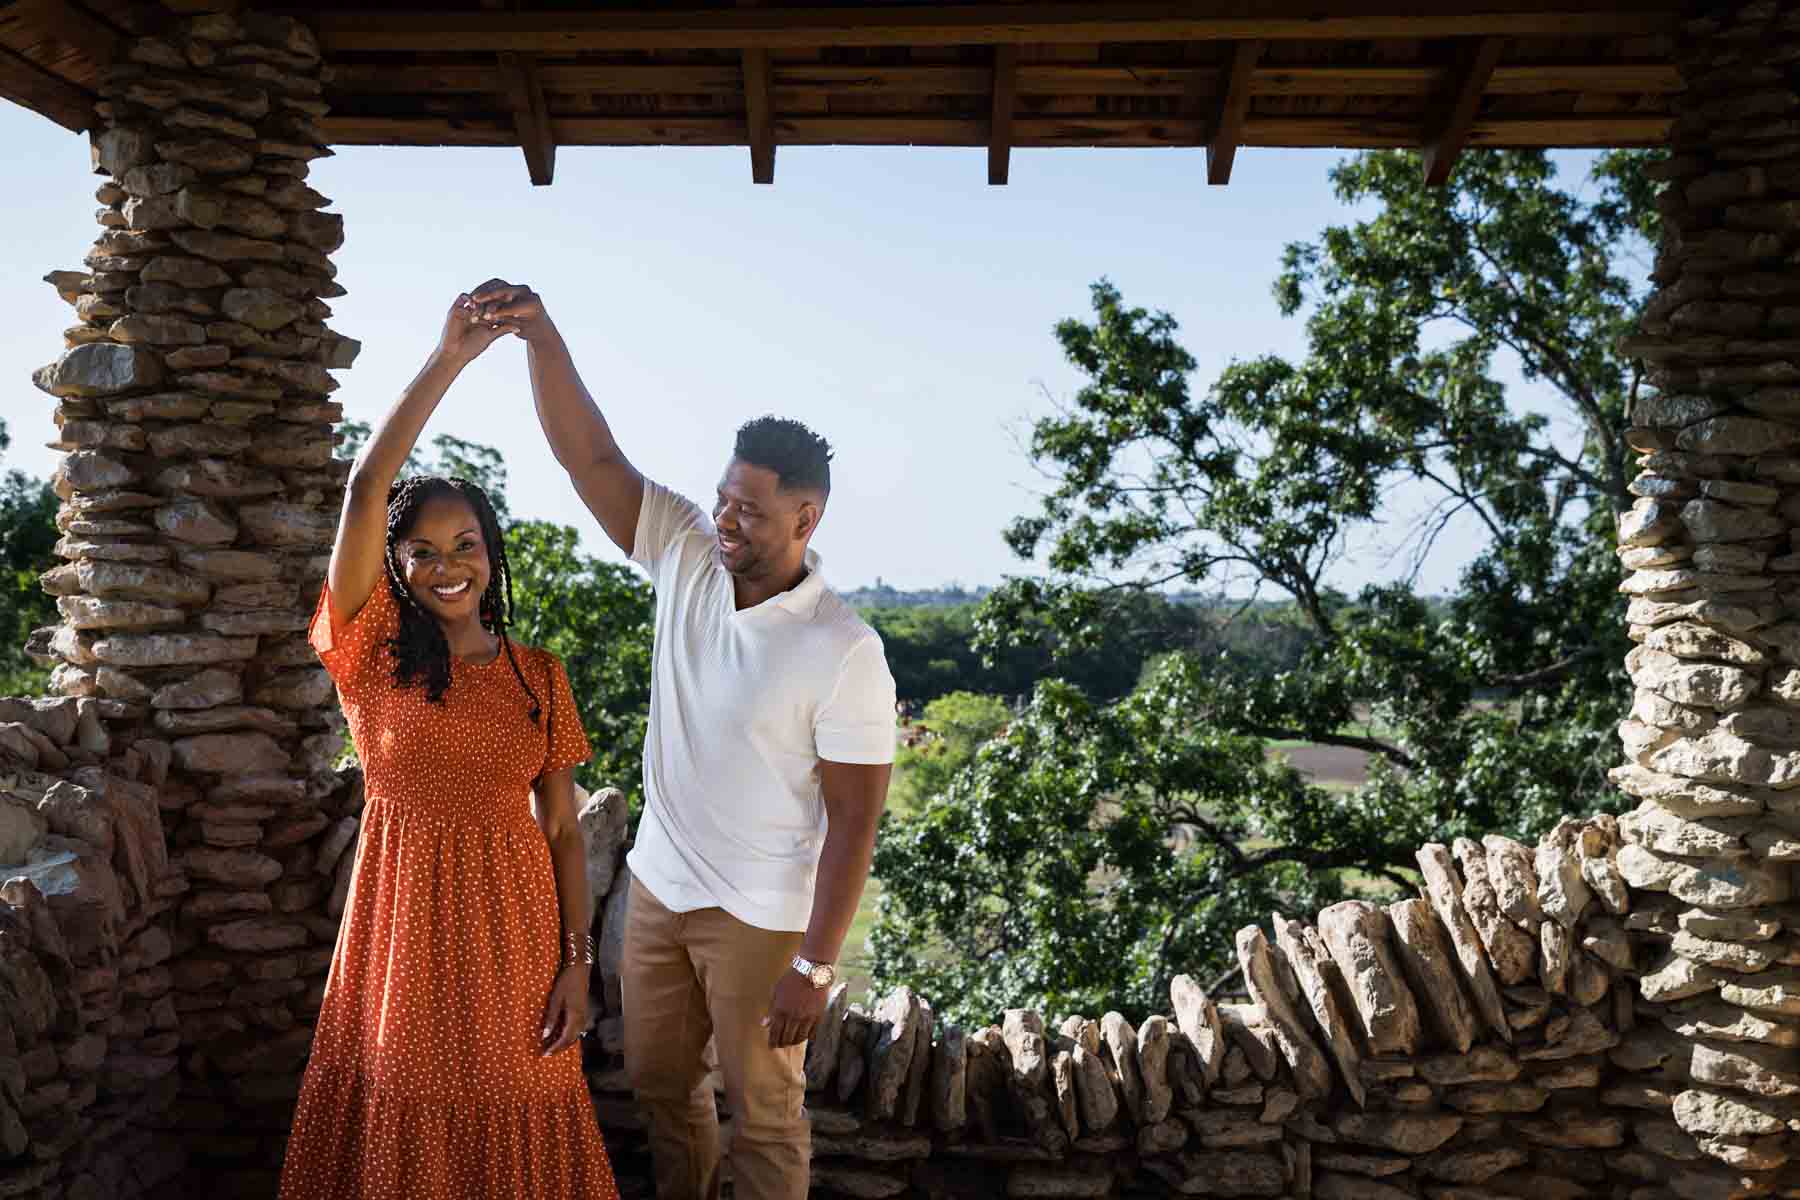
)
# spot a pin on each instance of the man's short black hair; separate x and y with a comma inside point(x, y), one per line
point(799, 457)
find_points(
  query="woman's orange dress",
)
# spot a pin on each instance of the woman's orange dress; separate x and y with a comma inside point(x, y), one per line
point(426, 1081)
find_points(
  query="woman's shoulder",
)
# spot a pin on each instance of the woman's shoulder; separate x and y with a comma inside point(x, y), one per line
point(537, 657)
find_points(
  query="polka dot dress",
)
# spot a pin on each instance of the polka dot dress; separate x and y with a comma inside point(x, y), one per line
point(426, 1080)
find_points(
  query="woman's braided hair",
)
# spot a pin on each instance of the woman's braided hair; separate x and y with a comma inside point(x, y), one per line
point(420, 649)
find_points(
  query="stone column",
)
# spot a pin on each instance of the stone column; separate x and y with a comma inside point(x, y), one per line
point(1712, 548)
point(200, 497)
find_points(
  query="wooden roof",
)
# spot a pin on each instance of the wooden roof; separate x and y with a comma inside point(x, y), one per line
point(1438, 75)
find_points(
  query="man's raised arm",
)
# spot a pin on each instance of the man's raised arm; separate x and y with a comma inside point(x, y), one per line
point(603, 477)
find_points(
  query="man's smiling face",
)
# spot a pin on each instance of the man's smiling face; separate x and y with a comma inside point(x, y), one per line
point(758, 524)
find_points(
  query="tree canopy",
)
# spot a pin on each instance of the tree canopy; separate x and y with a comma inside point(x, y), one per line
point(1096, 851)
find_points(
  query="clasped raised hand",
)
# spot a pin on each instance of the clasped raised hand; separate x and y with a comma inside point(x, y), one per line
point(513, 305)
point(466, 334)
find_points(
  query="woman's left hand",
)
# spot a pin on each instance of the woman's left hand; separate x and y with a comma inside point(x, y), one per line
point(566, 1013)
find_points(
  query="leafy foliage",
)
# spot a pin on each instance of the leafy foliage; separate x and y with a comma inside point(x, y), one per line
point(597, 617)
point(27, 549)
point(1090, 852)
point(952, 728)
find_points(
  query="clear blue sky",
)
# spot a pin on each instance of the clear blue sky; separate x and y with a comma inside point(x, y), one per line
point(889, 298)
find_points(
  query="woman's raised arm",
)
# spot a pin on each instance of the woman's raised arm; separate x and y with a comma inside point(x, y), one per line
point(357, 566)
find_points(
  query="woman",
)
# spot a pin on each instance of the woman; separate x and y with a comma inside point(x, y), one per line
point(446, 1062)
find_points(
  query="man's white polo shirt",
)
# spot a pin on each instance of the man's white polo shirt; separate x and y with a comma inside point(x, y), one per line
point(743, 705)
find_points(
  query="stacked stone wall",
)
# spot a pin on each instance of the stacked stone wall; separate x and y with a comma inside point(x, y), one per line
point(1505, 1033)
point(199, 497)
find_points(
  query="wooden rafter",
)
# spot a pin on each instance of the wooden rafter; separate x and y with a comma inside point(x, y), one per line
point(43, 92)
point(759, 115)
point(574, 31)
point(759, 109)
point(70, 24)
point(1000, 123)
point(1234, 106)
point(1449, 138)
point(531, 115)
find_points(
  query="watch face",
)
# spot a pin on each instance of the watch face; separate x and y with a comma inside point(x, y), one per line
point(821, 975)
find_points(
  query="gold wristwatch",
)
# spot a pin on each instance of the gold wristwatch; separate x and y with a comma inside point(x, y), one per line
point(819, 975)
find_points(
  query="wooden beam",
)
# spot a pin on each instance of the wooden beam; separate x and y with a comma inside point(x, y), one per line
point(577, 30)
point(1000, 123)
point(1234, 105)
point(1459, 114)
point(72, 25)
point(759, 116)
point(1330, 131)
point(23, 81)
point(531, 116)
point(382, 79)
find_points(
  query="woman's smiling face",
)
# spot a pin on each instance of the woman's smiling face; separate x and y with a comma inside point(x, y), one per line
point(444, 559)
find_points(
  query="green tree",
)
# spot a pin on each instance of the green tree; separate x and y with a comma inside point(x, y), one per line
point(952, 728)
point(1495, 706)
point(28, 536)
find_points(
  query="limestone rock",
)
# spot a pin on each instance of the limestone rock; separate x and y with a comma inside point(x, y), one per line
point(1402, 1133)
point(1358, 934)
point(1772, 1071)
point(1321, 982)
point(1444, 890)
point(232, 868)
point(1120, 1042)
point(891, 1048)
point(1095, 1093)
point(822, 1048)
point(1512, 952)
point(1698, 684)
point(1197, 1017)
point(1730, 883)
point(171, 649)
point(230, 752)
point(947, 1080)
point(1701, 1111)
point(1153, 1057)
point(311, 687)
point(1312, 1078)
point(1562, 890)
point(1425, 956)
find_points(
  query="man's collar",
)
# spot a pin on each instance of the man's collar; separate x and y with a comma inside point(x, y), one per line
point(803, 598)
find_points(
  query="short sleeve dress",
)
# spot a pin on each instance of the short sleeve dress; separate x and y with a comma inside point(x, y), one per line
point(426, 1080)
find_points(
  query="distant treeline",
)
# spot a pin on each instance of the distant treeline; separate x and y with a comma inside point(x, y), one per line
point(929, 646)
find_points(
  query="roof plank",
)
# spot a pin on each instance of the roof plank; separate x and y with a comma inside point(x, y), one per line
point(575, 31)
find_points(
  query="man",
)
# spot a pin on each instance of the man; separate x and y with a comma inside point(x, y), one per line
point(766, 765)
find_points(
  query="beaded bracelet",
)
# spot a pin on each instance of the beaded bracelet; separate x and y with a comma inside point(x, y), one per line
point(578, 949)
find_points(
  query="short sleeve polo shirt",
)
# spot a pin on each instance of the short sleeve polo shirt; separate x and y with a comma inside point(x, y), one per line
point(743, 706)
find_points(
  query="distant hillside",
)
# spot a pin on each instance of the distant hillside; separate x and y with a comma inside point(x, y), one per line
point(883, 596)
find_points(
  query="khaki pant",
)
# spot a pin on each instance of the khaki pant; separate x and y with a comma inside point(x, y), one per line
point(694, 975)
